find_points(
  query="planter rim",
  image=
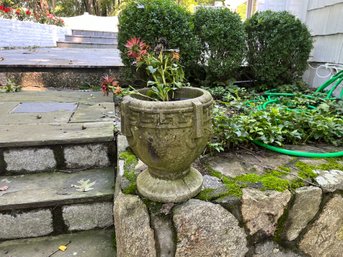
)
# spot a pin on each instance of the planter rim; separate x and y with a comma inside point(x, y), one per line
point(204, 97)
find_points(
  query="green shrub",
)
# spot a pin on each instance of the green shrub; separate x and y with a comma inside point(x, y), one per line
point(278, 46)
point(222, 38)
point(154, 19)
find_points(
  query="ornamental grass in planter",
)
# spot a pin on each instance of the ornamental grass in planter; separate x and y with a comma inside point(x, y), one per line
point(167, 124)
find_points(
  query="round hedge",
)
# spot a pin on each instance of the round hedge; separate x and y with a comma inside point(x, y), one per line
point(153, 19)
point(278, 47)
point(223, 42)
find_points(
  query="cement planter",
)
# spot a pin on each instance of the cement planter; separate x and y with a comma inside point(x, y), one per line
point(168, 137)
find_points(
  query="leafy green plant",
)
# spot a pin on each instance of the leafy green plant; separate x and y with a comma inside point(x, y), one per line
point(278, 46)
point(10, 87)
point(151, 20)
point(221, 33)
point(239, 120)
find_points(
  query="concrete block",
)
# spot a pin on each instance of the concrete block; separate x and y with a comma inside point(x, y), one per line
point(86, 156)
point(88, 216)
point(27, 224)
point(30, 159)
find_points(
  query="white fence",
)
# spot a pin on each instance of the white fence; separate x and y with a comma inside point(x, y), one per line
point(14, 33)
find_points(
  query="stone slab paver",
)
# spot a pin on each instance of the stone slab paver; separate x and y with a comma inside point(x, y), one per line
point(49, 189)
point(50, 134)
point(61, 58)
point(83, 244)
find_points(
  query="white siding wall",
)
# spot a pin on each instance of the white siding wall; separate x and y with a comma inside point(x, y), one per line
point(14, 33)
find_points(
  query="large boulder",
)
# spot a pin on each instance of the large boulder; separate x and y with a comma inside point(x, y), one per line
point(134, 235)
point(325, 237)
point(207, 229)
point(262, 209)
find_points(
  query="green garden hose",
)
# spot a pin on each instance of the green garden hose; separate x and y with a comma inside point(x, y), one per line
point(273, 97)
point(299, 153)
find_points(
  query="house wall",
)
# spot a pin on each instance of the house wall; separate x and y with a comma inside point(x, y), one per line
point(14, 33)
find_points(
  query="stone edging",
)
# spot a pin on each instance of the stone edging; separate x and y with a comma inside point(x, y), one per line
point(306, 222)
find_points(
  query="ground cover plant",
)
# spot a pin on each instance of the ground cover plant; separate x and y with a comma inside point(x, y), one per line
point(238, 119)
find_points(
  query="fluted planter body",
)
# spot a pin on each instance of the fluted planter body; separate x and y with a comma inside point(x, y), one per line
point(168, 137)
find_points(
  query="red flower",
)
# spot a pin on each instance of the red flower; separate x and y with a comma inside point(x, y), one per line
point(7, 9)
point(17, 12)
point(136, 48)
point(2, 7)
point(28, 12)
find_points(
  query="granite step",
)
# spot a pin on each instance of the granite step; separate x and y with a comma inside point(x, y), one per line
point(92, 33)
point(65, 44)
point(43, 204)
point(94, 243)
point(88, 39)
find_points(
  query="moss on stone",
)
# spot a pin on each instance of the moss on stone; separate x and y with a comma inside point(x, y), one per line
point(332, 164)
point(206, 194)
point(129, 158)
point(305, 170)
point(269, 181)
point(130, 161)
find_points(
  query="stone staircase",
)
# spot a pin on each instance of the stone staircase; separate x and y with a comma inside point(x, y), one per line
point(89, 39)
point(57, 162)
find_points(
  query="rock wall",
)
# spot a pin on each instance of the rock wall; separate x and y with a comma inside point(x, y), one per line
point(307, 221)
point(14, 33)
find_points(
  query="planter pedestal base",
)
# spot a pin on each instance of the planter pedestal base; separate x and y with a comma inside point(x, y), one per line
point(161, 190)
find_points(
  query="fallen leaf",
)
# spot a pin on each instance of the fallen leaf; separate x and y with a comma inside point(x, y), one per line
point(84, 185)
point(62, 248)
point(3, 188)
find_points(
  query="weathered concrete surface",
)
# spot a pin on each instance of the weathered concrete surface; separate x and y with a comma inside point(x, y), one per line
point(88, 216)
point(325, 237)
point(94, 113)
point(86, 156)
point(262, 209)
point(305, 207)
point(96, 243)
point(27, 224)
point(207, 229)
point(30, 160)
point(134, 235)
point(50, 189)
point(271, 249)
point(330, 180)
point(61, 58)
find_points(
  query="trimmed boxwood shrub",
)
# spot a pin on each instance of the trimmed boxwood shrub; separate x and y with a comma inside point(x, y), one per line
point(222, 37)
point(278, 46)
point(153, 19)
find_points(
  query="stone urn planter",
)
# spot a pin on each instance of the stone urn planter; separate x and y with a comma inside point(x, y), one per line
point(168, 137)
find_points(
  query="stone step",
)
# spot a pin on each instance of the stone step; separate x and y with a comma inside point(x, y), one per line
point(65, 131)
point(92, 33)
point(65, 44)
point(95, 243)
point(87, 39)
point(53, 203)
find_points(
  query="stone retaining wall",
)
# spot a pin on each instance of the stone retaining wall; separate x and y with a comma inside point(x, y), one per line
point(23, 160)
point(307, 221)
point(14, 33)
